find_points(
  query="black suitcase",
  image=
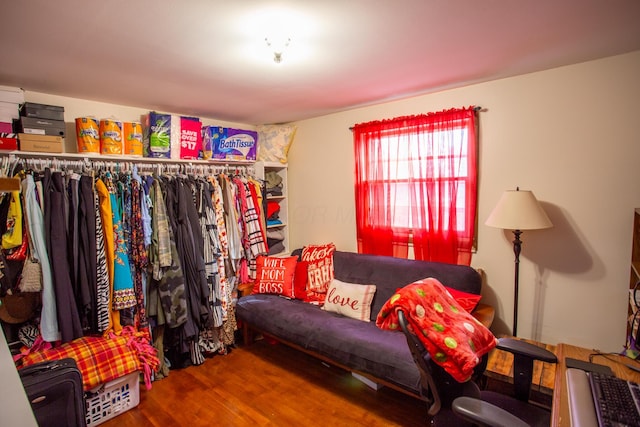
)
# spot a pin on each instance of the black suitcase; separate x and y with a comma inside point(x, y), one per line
point(54, 389)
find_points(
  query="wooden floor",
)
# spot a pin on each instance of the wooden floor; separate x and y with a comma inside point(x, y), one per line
point(268, 385)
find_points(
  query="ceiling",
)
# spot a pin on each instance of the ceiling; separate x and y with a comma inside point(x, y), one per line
point(208, 58)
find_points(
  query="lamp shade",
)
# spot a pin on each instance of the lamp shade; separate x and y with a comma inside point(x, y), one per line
point(518, 210)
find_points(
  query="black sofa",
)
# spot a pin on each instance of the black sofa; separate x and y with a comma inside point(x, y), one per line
point(361, 347)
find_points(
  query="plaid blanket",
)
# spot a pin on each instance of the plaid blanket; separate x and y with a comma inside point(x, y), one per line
point(454, 339)
point(99, 359)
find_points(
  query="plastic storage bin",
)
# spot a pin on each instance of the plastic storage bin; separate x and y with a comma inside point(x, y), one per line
point(112, 399)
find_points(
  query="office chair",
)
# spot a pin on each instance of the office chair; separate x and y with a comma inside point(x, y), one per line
point(451, 403)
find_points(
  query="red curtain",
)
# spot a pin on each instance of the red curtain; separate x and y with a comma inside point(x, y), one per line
point(416, 183)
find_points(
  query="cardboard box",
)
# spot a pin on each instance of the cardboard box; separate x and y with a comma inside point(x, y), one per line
point(14, 95)
point(230, 144)
point(8, 143)
point(37, 126)
point(41, 143)
point(42, 111)
point(8, 112)
point(6, 127)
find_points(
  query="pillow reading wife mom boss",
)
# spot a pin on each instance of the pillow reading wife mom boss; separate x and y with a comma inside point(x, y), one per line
point(274, 275)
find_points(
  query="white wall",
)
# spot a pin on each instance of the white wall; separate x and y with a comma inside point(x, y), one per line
point(570, 135)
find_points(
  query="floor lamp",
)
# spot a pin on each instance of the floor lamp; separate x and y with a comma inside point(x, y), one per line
point(517, 211)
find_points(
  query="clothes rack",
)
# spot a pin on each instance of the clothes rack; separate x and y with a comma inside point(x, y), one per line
point(73, 161)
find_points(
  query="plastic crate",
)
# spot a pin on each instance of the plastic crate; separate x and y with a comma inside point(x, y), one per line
point(113, 398)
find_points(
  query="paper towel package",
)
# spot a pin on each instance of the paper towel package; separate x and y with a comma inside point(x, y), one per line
point(159, 135)
point(230, 144)
point(111, 141)
point(133, 145)
point(88, 134)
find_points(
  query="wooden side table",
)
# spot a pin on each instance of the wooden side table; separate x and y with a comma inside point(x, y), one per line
point(499, 374)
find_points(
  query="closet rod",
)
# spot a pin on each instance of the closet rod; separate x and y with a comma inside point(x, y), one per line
point(128, 163)
point(103, 157)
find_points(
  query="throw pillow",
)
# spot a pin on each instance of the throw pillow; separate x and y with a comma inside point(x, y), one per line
point(465, 299)
point(454, 339)
point(350, 299)
point(320, 271)
point(274, 275)
point(274, 142)
point(300, 280)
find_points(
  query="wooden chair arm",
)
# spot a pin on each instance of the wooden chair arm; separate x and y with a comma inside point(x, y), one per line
point(484, 313)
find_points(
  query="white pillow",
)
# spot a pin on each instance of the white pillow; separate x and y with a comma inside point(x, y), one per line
point(274, 142)
point(350, 299)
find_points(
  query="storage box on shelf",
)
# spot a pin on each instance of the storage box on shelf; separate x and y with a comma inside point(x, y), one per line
point(634, 285)
point(41, 143)
point(276, 213)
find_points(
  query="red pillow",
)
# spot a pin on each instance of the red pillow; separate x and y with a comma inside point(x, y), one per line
point(300, 280)
point(466, 300)
point(320, 272)
point(274, 275)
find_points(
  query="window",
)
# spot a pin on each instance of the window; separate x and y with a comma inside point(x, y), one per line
point(416, 178)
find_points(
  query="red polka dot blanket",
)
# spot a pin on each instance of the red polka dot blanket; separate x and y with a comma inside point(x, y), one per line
point(454, 339)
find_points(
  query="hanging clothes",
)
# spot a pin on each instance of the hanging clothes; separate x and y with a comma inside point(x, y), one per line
point(106, 216)
point(209, 341)
point(123, 293)
point(49, 328)
point(125, 248)
point(167, 300)
point(223, 259)
point(55, 230)
point(103, 283)
point(85, 253)
point(138, 253)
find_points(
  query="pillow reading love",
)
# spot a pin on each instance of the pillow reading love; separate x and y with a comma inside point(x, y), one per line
point(350, 299)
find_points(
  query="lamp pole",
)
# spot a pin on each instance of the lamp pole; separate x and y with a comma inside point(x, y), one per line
point(517, 211)
point(517, 247)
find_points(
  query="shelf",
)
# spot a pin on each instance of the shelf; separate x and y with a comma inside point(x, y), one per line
point(111, 158)
point(277, 225)
point(282, 229)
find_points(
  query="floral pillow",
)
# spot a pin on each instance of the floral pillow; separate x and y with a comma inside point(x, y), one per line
point(350, 299)
point(274, 142)
point(319, 272)
point(274, 275)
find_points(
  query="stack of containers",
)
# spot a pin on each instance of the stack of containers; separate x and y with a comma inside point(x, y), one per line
point(41, 127)
point(10, 100)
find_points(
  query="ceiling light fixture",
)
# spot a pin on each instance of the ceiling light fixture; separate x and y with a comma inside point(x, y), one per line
point(278, 46)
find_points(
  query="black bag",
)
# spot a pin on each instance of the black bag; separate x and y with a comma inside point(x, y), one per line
point(54, 389)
